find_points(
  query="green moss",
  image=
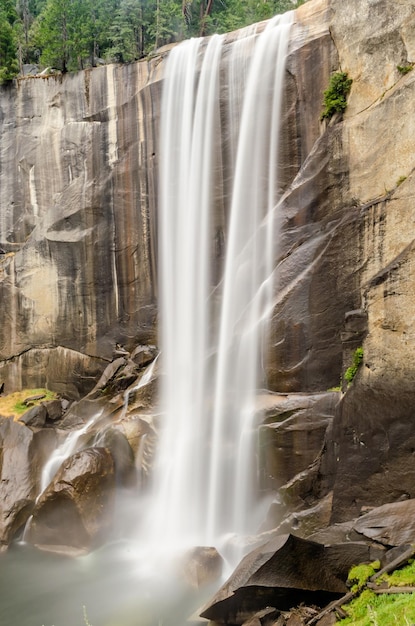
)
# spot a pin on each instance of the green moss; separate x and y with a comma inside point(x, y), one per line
point(404, 577)
point(370, 609)
point(335, 96)
point(400, 180)
point(360, 574)
point(351, 371)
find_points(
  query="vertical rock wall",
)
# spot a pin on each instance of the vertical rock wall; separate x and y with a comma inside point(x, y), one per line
point(77, 205)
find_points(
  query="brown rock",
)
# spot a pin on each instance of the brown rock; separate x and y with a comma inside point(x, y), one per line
point(76, 508)
point(201, 565)
point(391, 524)
point(22, 456)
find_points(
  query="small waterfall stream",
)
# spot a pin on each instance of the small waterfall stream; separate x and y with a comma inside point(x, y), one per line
point(212, 336)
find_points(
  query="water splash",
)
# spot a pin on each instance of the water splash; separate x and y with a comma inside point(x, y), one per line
point(211, 353)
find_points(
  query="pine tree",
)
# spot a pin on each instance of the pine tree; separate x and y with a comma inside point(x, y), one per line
point(9, 66)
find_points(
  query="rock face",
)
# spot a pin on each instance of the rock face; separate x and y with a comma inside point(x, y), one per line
point(78, 181)
point(77, 198)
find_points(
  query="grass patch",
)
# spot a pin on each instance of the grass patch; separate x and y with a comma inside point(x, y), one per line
point(13, 405)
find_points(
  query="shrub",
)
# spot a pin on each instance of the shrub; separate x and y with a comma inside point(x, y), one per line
point(404, 69)
point(351, 371)
point(336, 94)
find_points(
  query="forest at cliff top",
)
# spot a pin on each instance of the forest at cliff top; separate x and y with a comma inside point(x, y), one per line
point(70, 35)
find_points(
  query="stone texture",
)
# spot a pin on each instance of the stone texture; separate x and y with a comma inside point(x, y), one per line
point(77, 227)
point(283, 573)
point(391, 524)
point(201, 566)
point(22, 456)
point(76, 509)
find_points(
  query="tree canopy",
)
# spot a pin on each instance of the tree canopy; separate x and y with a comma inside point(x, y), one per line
point(72, 34)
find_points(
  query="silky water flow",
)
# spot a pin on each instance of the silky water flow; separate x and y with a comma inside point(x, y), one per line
point(219, 139)
point(212, 336)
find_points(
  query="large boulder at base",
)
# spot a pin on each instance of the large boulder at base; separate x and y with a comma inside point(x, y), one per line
point(76, 509)
point(22, 456)
point(284, 573)
point(201, 565)
point(390, 524)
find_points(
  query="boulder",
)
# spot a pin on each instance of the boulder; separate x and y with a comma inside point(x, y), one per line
point(391, 524)
point(283, 573)
point(76, 509)
point(201, 566)
point(116, 442)
point(35, 417)
point(54, 410)
point(22, 456)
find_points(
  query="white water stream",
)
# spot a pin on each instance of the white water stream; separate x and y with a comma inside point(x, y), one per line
point(211, 354)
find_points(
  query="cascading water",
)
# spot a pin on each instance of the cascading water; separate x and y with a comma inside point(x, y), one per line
point(212, 344)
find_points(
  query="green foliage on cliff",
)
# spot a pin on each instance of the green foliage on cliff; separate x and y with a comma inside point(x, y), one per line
point(335, 96)
point(404, 69)
point(351, 371)
point(73, 34)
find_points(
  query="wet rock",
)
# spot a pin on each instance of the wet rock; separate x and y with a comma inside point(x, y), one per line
point(22, 456)
point(124, 466)
point(76, 509)
point(201, 565)
point(284, 573)
point(144, 355)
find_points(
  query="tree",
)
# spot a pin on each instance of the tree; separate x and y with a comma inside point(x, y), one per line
point(62, 33)
point(9, 67)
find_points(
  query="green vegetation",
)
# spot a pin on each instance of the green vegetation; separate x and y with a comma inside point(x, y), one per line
point(404, 69)
point(73, 34)
point(335, 96)
point(360, 574)
point(370, 609)
point(388, 609)
point(15, 404)
point(401, 180)
point(351, 371)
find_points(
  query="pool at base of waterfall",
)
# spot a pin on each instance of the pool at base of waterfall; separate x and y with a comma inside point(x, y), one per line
point(104, 588)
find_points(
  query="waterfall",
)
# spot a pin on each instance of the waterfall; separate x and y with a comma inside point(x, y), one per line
point(212, 335)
